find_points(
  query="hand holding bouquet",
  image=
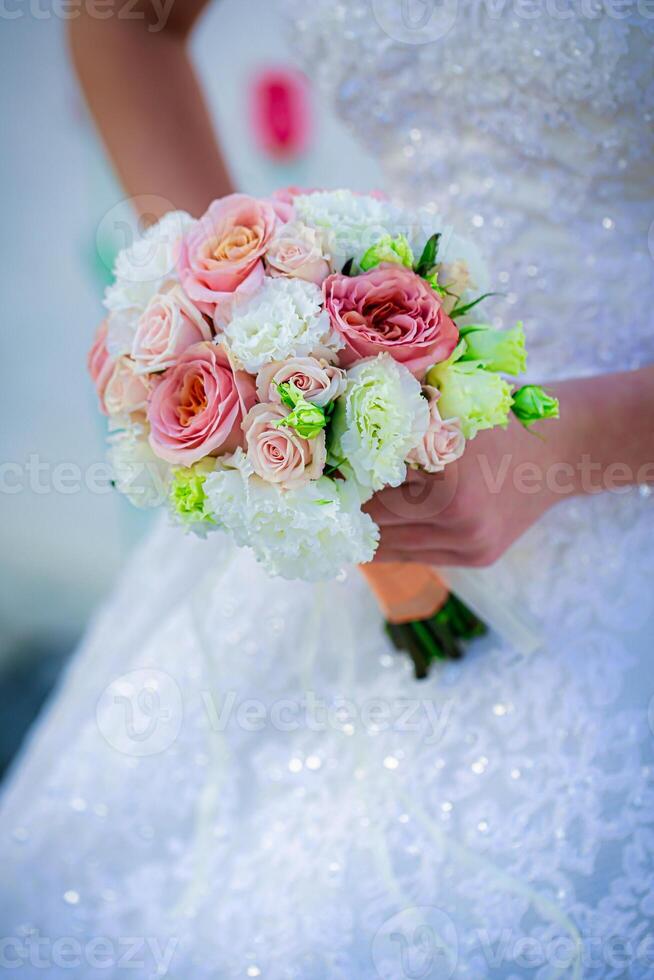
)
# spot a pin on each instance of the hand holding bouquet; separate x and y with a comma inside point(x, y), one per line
point(276, 362)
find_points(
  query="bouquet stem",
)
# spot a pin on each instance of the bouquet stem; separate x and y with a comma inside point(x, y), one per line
point(438, 637)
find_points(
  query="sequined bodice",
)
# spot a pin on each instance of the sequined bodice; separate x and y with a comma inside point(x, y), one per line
point(530, 128)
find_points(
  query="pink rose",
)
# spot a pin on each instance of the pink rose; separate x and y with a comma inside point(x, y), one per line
point(390, 309)
point(126, 391)
point(197, 407)
point(222, 251)
point(319, 381)
point(443, 441)
point(168, 325)
point(277, 453)
point(100, 363)
point(295, 251)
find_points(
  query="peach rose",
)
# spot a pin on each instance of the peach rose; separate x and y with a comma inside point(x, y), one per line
point(277, 453)
point(196, 408)
point(443, 441)
point(100, 363)
point(295, 251)
point(455, 278)
point(168, 325)
point(390, 310)
point(319, 381)
point(222, 251)
point(126, 391)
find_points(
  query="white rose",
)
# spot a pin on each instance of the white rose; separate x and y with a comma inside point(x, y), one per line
point(284, 318)
point(141, 271)
point(378, 421)
point(138, 473)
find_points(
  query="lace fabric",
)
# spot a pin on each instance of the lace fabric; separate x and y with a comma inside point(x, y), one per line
point(239, 777)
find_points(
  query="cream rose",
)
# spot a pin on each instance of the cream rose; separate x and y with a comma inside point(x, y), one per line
point(442, 443)
point(319, 381)
point(277, 453)
point(126, 391)
point(169, 324)
point(456, 279)
point(296, 251)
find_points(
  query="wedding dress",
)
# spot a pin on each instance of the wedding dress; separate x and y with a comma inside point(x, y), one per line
point(239, 777)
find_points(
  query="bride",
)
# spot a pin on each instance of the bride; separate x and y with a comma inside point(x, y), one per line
point(240, 777)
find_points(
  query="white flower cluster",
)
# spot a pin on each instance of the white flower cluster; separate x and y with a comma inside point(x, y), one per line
point(284, 318)
point(137, 472)
point(349, 223)
point(141, 271)
point(309, 533)
point(378, 421)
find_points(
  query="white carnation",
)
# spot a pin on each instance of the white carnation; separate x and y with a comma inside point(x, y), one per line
point(284, 318)
point(379, 419)
point(141, 271)
point(349, 223)
point(137, 472)
point(308, 533)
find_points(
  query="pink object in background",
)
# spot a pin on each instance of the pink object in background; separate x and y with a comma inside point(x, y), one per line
point(281, 112)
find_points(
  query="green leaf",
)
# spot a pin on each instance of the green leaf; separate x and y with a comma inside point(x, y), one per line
point(427, 260)
point(460, 310)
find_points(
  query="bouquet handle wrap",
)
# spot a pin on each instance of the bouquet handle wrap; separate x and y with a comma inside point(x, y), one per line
point(405, 591)
point(410, 591)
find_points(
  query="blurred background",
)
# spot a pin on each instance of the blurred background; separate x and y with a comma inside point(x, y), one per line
point(64, 534)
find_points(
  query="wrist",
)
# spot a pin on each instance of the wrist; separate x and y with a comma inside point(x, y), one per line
point(604, 439)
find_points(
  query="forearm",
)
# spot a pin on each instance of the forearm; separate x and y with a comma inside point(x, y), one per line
point(144, 95)
point(605, 437)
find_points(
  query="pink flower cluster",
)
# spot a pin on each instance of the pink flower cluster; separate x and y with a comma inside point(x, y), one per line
point(181, 381)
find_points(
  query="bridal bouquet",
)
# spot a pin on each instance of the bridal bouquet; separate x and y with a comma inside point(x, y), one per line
point(268, 367)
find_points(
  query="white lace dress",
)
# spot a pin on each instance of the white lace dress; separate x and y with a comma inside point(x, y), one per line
point(239, 777)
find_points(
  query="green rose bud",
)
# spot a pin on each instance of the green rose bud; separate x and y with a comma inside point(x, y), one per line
point(187, 497)
point(388, 249)
point(532, 403)
point(498, 350)
point(480, 399)
point(307, 419)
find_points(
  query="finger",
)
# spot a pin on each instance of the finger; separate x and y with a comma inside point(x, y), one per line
point(420, 537)
point(422, 499)
point(434, 557)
